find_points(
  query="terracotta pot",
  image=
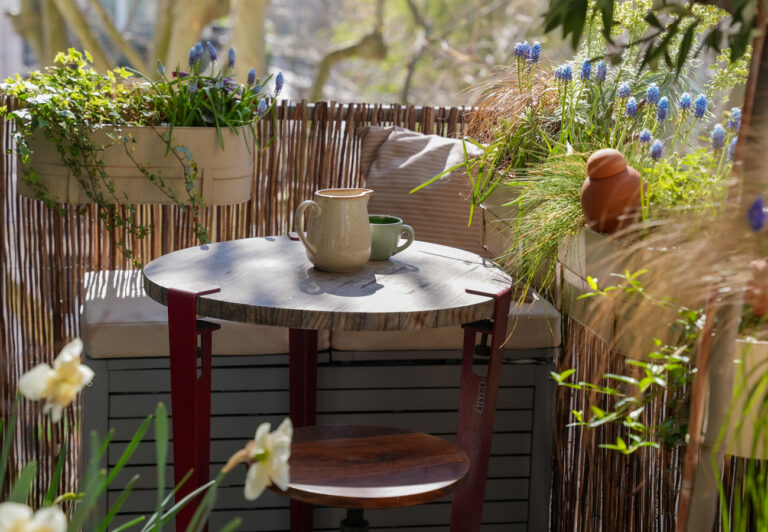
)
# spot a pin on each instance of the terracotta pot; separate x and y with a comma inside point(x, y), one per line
point(224, 174)
point(610, 196)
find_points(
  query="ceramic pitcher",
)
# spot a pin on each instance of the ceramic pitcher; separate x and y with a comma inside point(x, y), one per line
point(338, 237)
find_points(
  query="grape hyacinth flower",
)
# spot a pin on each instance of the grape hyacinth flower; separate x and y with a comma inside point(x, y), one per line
point(624, 90)
point(231, 58)
point(518, 50)
point(211, 51)
point(525, 49)
point(718, 137)
point(567, 73)
point(656, 149)
point(732, 148)
point(193, 57)
point(756, 214)
point(652, 94)
point(734, 120)
point(685, 101)
point(279, 83)
point(559, 73)
point(261, 109)
point(586, 70)
point(645, 136)
point(535, 53)
point(631, 109)
point(602, 71)
point(700, 106)
point(661, 112)
point(251, 76)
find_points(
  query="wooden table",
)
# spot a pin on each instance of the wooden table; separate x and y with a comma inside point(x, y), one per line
point(270, 281)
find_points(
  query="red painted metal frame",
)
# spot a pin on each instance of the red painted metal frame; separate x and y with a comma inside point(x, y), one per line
point(302, 356)
point(190, 395)
point(477, 408)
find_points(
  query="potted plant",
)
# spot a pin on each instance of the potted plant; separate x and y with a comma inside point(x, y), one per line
point(185, 138)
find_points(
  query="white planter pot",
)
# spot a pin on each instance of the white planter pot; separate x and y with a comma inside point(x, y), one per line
point(224, 176)
point(747, 434)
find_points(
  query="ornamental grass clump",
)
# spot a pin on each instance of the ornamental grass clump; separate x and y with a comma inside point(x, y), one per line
point(538, 128)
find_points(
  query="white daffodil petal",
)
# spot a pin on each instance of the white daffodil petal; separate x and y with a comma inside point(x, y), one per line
point(34, 383)
point(261, 433)
point(69, 352)
point(86, 375)
point(56, 411)
point(281, 448)
point(286, 428)
point(50, 519)
point(12, 513)
point(281, 475)
point(256, 481)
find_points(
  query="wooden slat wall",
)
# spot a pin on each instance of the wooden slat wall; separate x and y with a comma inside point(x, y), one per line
point(44, 253)
point(410, 393)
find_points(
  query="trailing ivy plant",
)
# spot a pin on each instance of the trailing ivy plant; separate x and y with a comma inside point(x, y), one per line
point(667, 372)
point(69, 101)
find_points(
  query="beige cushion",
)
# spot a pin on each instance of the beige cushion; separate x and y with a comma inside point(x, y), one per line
point(532, 324)
point(395, 160)
point(119, 320)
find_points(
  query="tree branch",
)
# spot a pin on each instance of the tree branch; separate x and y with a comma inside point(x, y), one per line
point(369, 47)
point(77, 23)
point(136, 61)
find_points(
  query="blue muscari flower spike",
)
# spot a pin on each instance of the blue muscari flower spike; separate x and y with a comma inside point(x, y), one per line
point(602, 71)
point(567, 73)
point(231, 58)
point(652, 94)
point(559, 73)
point(211, 51)
point(279, 83)
point(685, 101)
point(251, 76)
point(756, 214)
point(624, 90)
point(525, 50)
point(586, 70)
point(732, 148)
point(645, 136)
point(262, 107)
point(661, 112)
point(535, 53)
point(192, 56)
point(631, 109)
point(718, 137)
point(656, 148)
point(198, 51)
point(518, 50)
point(734, 120)
point(700, 106)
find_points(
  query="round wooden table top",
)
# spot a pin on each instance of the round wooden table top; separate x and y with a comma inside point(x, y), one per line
point(353, 466)
point(270, 281)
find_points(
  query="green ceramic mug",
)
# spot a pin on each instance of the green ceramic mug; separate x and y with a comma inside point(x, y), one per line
point(385, 236)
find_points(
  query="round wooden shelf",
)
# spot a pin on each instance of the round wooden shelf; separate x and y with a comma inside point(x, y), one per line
point(353, 466)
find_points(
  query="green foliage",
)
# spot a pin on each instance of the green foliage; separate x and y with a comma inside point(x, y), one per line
point(666, 373)
point(69, 101)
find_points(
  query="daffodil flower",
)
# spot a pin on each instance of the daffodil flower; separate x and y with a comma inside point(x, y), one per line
point(58, 385)
point(268, 455)
point(15, 517)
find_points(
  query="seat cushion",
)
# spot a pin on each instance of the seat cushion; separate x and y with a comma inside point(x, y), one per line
point(395, 160)
point(532, 324)
point(119, 320)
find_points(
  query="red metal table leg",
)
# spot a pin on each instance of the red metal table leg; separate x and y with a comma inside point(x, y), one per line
point(302, 347)
point(477, 407)
point(190, 394)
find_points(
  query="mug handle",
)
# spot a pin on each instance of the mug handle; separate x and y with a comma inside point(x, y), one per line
point(298, 223)
point(411, 235)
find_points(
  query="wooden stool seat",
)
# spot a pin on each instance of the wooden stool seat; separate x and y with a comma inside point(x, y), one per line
point(354, 466)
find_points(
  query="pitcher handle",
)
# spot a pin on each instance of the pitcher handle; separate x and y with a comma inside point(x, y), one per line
point(298, 223)
point(411, 235)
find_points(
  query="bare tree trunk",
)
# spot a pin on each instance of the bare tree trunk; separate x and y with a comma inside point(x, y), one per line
point(117, 39)
point(162, 35)
point(188, 18)
point(248, 18)
point(54, 32)
point(27, 21)
point(79, 25)
point(369, 47)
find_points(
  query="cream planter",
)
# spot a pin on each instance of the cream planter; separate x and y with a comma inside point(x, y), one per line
point(223, 175)
point(747, 434)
